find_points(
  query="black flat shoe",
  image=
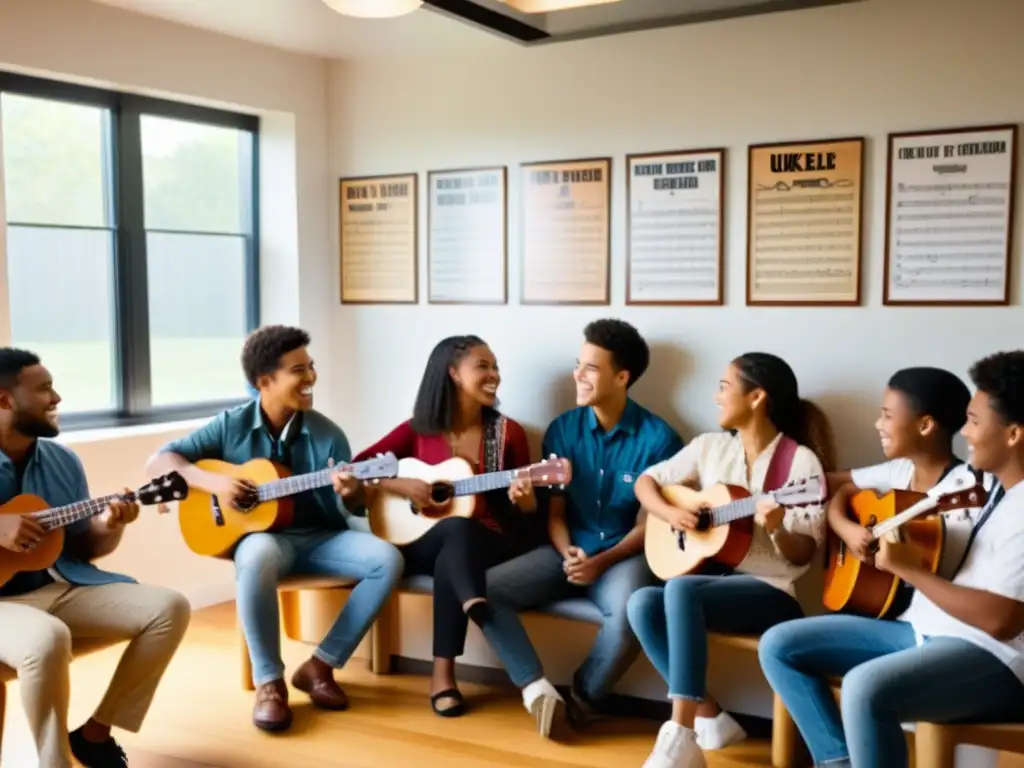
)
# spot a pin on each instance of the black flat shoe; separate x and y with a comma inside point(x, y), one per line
point(455, 710)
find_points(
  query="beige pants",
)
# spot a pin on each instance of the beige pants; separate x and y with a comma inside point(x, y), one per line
point(36, 641)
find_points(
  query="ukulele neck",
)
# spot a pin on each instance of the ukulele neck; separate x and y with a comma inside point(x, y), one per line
point(59, 517)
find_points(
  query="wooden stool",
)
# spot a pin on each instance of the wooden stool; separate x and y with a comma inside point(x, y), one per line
point(288, 600)
point(79, 648)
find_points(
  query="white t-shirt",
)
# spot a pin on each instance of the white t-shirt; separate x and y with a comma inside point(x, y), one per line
point(899, 473)
point(995, 563)
point(718, 457)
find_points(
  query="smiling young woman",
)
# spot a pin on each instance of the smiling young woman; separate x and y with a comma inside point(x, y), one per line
point(456, 415)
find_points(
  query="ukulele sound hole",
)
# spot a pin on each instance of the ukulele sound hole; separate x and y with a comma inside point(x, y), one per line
point(703, 519)
point(441, 493)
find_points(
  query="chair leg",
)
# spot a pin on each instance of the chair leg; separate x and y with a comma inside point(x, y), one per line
point(788, 748)
point(934, 746)
point(381, 637)
point(247, 683)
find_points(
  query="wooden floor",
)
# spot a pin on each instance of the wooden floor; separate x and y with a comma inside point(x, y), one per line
point(201, 717)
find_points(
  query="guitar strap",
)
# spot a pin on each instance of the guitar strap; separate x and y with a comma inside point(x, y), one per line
point(780, 465)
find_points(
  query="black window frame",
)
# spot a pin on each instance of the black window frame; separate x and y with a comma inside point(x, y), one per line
point(133, 384)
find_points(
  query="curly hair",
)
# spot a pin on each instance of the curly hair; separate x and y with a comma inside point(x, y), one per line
point(12, 361)
point(628, 349)
point(264, 348)
point(1001, 377)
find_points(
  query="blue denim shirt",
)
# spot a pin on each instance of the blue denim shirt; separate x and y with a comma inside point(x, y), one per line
point(601, 507)
point(239, 434)
point(55, 474)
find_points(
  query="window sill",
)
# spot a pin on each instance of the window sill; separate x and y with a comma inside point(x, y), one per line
point(106, 434)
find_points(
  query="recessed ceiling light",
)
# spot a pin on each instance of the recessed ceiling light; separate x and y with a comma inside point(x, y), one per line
point(373, 9)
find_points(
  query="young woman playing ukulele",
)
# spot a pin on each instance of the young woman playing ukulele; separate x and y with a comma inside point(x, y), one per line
point(760, 407)
point(456, 415)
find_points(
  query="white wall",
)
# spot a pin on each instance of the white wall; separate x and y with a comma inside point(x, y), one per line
point(99, 45)
point(866, 68)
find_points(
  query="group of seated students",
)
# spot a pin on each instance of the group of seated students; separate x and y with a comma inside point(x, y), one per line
point(953, 653)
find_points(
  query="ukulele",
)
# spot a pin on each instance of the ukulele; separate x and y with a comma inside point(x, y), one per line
point(213, 530)
point(725, 524)
point(453, 490)
point(54, 520)
point(855, 587)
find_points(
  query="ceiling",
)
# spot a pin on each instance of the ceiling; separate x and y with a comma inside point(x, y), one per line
point(308, 26)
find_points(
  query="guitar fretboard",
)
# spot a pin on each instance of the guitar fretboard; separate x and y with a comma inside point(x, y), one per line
point(735, 510)
point(58, 517)
point(289, 486)
point(489, 481)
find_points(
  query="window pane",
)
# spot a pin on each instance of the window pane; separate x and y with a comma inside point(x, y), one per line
point(62, 308)
point(55, 161)
point(192, 175)
point(197, 317)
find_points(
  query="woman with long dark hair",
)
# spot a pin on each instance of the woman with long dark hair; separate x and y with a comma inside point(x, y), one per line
point(771, 437)
point(456, 414)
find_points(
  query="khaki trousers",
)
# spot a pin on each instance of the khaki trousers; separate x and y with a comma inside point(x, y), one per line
point(35, 640)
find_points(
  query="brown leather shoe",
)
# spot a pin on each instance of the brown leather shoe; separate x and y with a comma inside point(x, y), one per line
point(271, 711)
point(317, 679)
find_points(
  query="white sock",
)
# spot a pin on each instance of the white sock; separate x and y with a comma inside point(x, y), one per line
point(536, 689)
point(718, 732)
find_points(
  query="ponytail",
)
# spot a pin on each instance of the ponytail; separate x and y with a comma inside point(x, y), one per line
point(814, 431)
point(800, 419)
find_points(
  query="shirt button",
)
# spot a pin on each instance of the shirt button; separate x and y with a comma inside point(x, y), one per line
point(602, 535)
point(601, 472)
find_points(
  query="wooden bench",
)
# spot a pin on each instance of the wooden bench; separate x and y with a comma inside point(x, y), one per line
point(575, 609)
point(934, 745)
point(7, 674)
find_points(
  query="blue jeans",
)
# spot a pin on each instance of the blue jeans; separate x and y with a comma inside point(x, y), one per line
point(536, 579)
point(673, 622)
point(262, 559)
point(888, 679)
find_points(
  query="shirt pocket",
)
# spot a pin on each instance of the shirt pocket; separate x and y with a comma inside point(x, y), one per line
point(622, 484)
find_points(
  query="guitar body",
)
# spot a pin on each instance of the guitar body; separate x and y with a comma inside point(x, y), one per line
point(43, 555)
point(671, 554)
point(394, 519)
point(855, 587)
point(213, 530)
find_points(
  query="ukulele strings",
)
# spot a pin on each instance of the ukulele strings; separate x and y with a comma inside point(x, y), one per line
point(58, 517)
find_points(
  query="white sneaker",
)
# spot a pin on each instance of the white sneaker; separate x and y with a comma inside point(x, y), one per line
point(718, 732)
point(676, 747)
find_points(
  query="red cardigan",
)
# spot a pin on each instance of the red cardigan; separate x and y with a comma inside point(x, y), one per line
point(434, 449)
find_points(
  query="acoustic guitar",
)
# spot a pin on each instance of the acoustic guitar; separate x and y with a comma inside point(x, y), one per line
point(855, 587)
point(725, 525)
point(213, 530)
point(453, 491)
point(54, 520)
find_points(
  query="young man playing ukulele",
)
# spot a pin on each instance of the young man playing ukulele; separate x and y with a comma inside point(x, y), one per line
point(596, 526)
point(41, 611)
point(281, 425)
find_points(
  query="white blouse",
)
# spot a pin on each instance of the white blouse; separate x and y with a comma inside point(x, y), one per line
point(718, 457)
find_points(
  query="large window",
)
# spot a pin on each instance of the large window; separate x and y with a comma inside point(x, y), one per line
point(131, 247)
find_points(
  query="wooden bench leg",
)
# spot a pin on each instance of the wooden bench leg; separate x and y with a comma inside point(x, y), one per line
point(290, 618)
point(3, 711)
point(934, 746)
point(382, 635)
point(788, 748)
point(247, 684)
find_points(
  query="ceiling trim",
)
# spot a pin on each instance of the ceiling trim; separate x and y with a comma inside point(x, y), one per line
point(506, 26)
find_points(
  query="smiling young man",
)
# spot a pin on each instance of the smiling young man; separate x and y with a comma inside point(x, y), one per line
point(596, 527)
point(41, 611)
point(282, 425)
point(960, 658)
